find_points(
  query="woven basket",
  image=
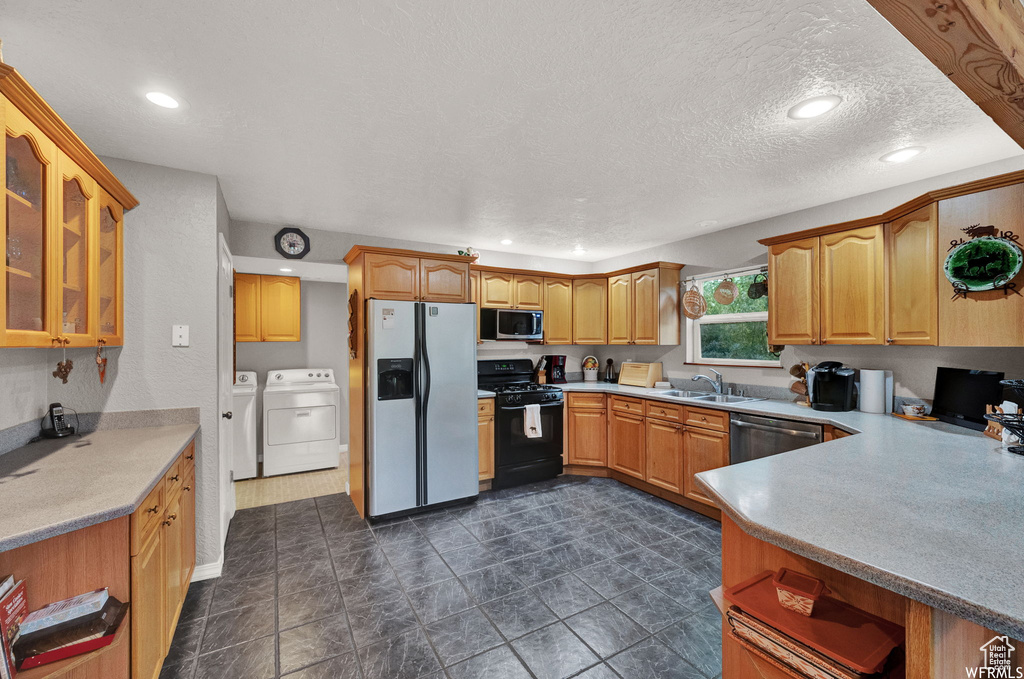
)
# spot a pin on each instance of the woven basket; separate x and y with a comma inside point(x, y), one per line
point(694, 304)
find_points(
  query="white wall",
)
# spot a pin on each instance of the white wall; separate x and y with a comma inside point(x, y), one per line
point(253, 239)
point(170, 256)
point(324, 334)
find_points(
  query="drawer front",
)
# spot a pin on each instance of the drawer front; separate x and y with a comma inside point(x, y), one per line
point(578, 400)
point(147, 517)
point(485, 406)
point(189, 455)
point(664, 411)
point(628, 405)
point(174, 479)
point(705, 418)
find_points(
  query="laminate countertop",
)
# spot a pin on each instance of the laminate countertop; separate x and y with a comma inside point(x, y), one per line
point(56, 486)
point(929, 510)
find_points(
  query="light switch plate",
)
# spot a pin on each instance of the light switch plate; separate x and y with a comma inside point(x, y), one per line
point(179, 335)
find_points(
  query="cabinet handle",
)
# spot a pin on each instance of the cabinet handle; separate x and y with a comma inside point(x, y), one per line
point(170, 519)
point(190, 457)
point(187, 488)
point(153, 510)
point(888, 340)
point(175, 477)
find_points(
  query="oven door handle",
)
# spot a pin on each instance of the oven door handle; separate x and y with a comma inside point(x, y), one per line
point(542, 405)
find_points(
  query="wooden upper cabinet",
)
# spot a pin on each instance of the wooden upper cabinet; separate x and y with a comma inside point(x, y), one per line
point(391, 277)
point(982, 319)
point(912, 254)
point(703, 450)
point(78, 214)
point(280, 309)
point(57, 258)
point(443, 281)
point(497, 289)
point(557, 311)
point(529, 292)
point(626, 449)
point(110, 251)
point(590, 311)
point(247, 308)
point(647, 304)
point(853, 286)
point(793, 287)
point(31, 190)
point(620, 309)
point(664, 454)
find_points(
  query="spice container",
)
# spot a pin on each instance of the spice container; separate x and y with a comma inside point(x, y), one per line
point(798, 592)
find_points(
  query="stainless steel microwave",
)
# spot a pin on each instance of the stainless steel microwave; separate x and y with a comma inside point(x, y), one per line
point(511, 324)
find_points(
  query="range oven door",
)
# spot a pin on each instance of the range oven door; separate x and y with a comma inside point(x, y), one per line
point(511, 324)
point(519, 459)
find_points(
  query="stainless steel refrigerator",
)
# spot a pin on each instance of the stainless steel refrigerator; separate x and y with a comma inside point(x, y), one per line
point(421, 405)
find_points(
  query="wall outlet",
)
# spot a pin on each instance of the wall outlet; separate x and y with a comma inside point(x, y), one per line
point(179, 335)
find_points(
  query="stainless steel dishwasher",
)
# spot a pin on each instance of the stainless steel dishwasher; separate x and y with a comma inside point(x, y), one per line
point(754, 436)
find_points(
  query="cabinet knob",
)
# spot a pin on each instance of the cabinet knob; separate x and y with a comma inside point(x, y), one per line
point(175, 477)
point(187, 488)
point(153, 510)
point(703, 419)
point(888, 340)
point(814, 341)
point(170, 519)
point(190, 457)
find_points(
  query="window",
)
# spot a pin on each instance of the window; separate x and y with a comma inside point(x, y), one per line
point(730, 334)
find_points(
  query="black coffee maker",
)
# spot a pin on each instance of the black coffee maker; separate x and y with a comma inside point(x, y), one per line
point(556, 369)
point(832, 387)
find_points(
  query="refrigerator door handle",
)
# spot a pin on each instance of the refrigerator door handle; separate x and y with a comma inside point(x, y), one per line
point(425, 355)
point(417, 389)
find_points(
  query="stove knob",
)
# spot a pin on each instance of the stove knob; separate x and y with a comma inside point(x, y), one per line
point(278, 376)
point(327, 374)
point(318, 375)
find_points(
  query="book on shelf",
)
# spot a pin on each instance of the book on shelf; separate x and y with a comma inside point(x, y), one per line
point(87, 634)
point(6, 585)
point(13, 609)
point(66, 612)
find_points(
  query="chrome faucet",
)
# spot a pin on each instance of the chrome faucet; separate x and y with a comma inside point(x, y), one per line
point(716, 383)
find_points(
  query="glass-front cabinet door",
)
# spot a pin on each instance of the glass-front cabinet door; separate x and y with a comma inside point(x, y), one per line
point(78, 209)
point(111, 281)
point(29, 179)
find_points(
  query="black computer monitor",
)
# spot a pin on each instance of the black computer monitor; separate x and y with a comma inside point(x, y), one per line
point(961, 395)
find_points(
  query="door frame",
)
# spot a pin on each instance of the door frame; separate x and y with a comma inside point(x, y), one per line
point(225, 360)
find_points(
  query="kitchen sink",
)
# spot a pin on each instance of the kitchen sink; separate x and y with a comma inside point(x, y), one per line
point(725, 398)
point(679, 393)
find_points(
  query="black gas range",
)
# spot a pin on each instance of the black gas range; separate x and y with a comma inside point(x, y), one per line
point(519, 458)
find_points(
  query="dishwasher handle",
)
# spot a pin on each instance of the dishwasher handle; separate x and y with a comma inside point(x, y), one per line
point(777, 430)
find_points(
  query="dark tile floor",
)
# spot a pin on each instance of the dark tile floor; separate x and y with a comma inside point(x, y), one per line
point(575, 577)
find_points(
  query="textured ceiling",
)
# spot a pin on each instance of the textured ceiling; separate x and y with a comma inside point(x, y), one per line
point(618, 125)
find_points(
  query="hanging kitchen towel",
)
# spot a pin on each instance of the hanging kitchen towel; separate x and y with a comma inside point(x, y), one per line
point(531, 422)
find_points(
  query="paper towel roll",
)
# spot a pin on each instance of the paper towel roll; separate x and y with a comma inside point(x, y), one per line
point(872, 391)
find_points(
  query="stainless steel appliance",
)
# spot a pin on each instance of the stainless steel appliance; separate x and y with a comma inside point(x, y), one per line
point(519, 459)
point(511, 324)
point(420, 405)
point(754, 436)
point(831, 387)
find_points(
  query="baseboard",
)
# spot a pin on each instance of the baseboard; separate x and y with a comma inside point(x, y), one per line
point(346, 488)
point(208, 571)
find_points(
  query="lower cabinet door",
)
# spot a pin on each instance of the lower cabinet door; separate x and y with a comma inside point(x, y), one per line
point(485, 446)
point(665, 455)
point(188, 529)
point(149, 590)
point(173, 537)
point(703, 450)
point(588, 436)
point(626, 449)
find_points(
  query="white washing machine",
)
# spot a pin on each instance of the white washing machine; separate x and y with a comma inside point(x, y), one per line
point(300, 421)
point(243, 411)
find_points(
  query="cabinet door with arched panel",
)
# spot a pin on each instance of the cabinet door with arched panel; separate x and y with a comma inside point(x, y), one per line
point(78, 213)
point(30, 173)
point(110, 272)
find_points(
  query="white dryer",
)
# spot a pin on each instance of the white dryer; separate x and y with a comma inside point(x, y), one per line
point(300, 421)
point(243, 407)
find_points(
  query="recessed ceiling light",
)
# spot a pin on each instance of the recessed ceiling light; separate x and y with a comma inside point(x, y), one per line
point(161, 99)
point(286, 270)
point(902, 155)
point(506, 241)
point(814, 107)
point(707, 223)
point(578, 250)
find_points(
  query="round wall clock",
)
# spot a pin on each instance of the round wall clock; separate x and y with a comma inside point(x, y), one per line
point(292, 243)
point(983, 263)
